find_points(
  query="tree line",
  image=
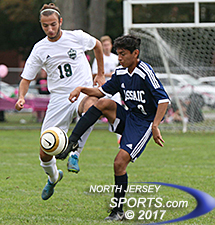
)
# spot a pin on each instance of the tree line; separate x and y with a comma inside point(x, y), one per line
point(20, 28)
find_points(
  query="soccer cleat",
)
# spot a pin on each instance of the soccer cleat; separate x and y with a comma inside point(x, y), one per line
point(72, 164)
point(48, 190)
point(72, 146)
point(117, 216)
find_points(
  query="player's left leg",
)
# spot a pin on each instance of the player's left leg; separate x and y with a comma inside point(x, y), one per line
point(103, 106)
point(83, 106)
point(72, 164)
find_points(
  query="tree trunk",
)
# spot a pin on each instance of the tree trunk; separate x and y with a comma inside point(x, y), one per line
point(74, 14)
point(78, 15)
point(97, 17)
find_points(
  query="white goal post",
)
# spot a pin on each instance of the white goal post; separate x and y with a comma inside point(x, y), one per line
point(179, 44)
point(127, 14)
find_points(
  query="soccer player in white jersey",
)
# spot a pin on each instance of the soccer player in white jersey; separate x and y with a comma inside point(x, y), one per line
point(147, 103)
point(62, 55)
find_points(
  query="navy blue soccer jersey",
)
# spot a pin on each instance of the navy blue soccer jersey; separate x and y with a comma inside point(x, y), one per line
point(141, 90)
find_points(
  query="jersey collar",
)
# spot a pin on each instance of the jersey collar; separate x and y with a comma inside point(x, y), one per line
point(135, 69)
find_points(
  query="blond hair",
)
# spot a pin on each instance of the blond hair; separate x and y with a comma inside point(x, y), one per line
point(105, 38)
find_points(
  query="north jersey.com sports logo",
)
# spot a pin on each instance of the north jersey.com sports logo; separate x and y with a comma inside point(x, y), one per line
point(156, 208)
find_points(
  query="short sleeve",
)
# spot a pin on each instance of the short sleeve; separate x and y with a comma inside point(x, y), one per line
point(156, 88)
point(111, 87)
point(32, 66)
point(89, 41)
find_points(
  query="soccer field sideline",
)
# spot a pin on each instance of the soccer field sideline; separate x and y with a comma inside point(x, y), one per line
point(20, 190)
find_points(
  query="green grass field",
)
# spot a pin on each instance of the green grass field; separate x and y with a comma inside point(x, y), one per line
point(187, 159)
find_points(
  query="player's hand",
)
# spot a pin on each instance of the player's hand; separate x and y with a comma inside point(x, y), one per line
point(20, 104)
point(100, 80)
point(74, 95)
point(157, 136)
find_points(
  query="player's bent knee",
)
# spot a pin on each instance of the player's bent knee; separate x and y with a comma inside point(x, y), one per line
point(86, 103)
point(90, 101)
point(104, 104)
point(44, 157)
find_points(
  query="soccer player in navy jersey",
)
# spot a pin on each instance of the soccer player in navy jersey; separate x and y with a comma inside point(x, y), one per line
point(147, 103)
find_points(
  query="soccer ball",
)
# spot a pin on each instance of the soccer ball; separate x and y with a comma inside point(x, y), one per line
point(53, 141)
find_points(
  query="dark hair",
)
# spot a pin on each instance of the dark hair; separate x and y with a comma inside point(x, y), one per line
point(128, 42)
point(51, 6)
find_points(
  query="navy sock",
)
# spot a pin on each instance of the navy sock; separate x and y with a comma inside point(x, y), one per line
point(121, 183)
point(86, 121)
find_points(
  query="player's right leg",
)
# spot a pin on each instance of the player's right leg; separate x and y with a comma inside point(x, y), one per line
point(121, 180)
point(117, 98)
point(136, 134)
point(120, 164)
point(48, 164)
point(59, 114)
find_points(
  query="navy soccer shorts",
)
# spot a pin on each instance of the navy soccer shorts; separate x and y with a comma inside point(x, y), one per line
point(135, 131)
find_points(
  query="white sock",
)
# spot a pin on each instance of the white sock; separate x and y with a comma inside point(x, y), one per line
point(118, 137)
point(77, 152)
point(50, 169)
point(82, 141)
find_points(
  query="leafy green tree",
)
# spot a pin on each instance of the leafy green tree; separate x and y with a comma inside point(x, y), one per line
point(19, 20)
point(114, 21)
point(19, 25)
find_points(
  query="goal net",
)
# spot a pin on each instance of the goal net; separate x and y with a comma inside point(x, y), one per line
point(183, 58)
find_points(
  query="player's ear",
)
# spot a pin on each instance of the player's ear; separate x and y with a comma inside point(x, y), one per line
point(61, 21)
point(136, 53)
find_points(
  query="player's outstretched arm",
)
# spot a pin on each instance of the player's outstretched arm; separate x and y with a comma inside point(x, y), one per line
point(161, 110)
point(88, 91)
point(98, 52)
point(23, 89)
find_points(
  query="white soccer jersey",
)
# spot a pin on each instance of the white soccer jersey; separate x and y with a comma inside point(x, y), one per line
point(110, 64)
point(64, 61)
